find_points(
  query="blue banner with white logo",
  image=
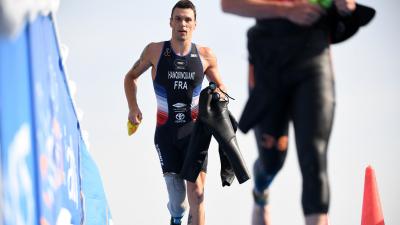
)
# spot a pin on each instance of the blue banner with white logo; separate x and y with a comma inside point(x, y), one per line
point(57, 133)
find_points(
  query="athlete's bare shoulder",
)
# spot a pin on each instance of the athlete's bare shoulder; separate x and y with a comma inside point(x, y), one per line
point(205, 52)
point(207, 56)
point(210, 65)
point(153, 49)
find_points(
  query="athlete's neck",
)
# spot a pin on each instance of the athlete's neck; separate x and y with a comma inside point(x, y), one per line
point(181, 47)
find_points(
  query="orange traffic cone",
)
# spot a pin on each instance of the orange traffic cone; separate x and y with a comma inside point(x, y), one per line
point(371, 208)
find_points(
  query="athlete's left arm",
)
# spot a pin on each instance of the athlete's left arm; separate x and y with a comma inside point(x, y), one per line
point(211, 67)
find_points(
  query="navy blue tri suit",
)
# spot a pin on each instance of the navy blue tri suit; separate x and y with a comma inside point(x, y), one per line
point(177, 86)
point(292, 66)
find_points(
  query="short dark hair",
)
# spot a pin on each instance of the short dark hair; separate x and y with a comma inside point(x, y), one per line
point(184, 4)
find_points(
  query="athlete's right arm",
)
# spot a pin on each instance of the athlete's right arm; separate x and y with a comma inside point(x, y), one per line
point(130, 84)
point(301, 12)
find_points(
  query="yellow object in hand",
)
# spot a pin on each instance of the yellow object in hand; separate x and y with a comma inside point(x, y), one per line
point(132, 127)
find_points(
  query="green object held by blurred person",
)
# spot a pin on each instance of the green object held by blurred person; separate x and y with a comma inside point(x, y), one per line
point(326, 4)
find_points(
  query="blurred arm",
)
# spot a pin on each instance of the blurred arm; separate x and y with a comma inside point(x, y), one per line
point(300, 12)
point(256, 8)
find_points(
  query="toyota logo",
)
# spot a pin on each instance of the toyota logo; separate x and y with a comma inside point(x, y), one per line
point(180, 116)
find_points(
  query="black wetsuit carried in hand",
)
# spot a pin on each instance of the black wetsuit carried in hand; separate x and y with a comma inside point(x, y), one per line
point(216, 120)
point(293, 81)
point(177, 86)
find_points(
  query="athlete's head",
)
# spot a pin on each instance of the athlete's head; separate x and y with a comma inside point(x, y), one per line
point(183, 20)
point(184, 4)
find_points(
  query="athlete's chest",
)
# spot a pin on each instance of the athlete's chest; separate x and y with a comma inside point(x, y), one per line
point(180, 73)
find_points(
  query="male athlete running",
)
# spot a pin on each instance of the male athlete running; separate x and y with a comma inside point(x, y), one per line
point(177, 68)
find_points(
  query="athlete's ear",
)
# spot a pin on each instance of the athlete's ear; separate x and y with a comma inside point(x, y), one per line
point(170, 22)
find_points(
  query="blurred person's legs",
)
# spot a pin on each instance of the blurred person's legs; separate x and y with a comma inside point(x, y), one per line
point(195, 192)
point(301, 81)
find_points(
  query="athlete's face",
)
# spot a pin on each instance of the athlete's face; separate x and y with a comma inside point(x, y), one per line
point(183, 24)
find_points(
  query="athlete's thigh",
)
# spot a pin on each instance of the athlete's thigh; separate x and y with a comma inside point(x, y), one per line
point(182, 145)
point(170, 156)
point(313, 108)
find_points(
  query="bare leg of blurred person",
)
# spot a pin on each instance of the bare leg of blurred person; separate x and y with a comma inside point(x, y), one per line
point(261, 215)
point(317, 219)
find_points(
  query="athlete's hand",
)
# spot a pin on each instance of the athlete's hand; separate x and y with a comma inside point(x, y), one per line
point(345, 7)
point(304, 13)
point(221, 90)
point(135, 115)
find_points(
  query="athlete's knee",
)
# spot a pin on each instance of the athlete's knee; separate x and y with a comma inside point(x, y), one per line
point(270, 142)
point(195, 191)
point(177, 194)
point(273, 152)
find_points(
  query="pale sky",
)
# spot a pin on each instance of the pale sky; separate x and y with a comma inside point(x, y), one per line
point(105, 38)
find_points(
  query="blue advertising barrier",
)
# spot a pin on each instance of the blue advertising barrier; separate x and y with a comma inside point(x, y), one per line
point(47, 175)
point(18, 158)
